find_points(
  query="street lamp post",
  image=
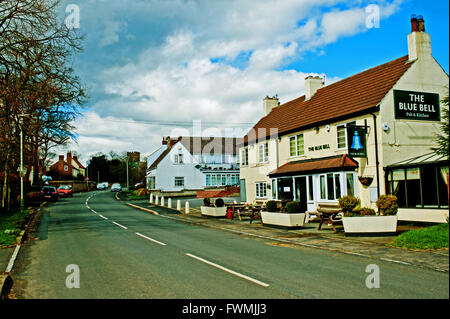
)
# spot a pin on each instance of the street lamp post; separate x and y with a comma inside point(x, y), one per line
point(22, 202)
point(128, 181)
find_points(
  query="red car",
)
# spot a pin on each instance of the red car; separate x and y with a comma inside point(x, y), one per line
point(65, 191)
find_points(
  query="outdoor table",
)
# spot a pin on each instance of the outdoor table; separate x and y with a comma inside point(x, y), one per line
point(252, 211)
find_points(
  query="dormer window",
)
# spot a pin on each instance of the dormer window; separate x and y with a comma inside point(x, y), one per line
point(178, 159)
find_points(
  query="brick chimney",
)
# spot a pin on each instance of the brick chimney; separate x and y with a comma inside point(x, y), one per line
point(269, 103)
point(419, 42)
point(69, 158)
point(312, 84)
point(61, 158)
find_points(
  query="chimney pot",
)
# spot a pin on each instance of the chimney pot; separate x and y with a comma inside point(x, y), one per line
point(420, 23)
point(414, 27)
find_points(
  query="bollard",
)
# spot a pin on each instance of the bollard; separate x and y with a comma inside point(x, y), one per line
point(178, 205)
point(162, 200)
point(157, 200)
point(187, 208)
point(151, 199)
point(169, 203)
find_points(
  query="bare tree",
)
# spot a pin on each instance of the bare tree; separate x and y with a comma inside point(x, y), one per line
point(37, 79)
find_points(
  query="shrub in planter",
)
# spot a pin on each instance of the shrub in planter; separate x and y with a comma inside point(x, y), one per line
point(271, 206)
point(206, 202)
point(364, 211)
point(293, 207)
point(387, 204)
point(348, 203)
point(219, 202)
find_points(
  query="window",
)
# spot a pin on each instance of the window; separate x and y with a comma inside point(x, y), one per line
point(296, 145)
point(151, 182)
point(342, 135)
point(179, 181)
point(337, 186)
point(274, 189)
point(213, 180)
point(311, 188)
point(224, 180)
point(261, 190)
point(323, 191)
point(350, 184)
point(263, 152)
point(330, 186)
point(66, 168)
point(234, 179)
point(208, 179)
point(244, 157)
point(178, 158)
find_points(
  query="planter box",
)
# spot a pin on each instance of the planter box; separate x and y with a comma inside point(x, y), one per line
point(370, 224)
point(214, 211)
point(283, 219)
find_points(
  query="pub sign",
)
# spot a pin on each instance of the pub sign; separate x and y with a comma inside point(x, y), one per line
point(356, 141)
point(411, 105)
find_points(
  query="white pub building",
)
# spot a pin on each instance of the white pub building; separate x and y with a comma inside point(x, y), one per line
point(366, 135)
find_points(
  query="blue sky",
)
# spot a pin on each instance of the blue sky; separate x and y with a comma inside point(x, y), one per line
point(147, 63)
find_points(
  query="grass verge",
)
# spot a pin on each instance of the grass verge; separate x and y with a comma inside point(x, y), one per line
point(11, 223)
point(433, 237)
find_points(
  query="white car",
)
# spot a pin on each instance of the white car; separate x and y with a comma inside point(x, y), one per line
point(116, 187)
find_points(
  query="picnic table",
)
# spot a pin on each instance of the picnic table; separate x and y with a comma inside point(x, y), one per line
point(243, 210)
point(329, 214)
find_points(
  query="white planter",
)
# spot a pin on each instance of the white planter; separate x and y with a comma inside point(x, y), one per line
point(214, 211)
point(283, 219)
point(370, 224)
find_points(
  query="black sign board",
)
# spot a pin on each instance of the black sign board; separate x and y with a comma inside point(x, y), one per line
point(356, 140)
point(411, 105)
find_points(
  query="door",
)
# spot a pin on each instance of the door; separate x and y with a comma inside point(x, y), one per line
point(242, 190)
point(301, 193)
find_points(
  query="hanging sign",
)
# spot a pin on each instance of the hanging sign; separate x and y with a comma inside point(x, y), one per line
point(411, 105)
point(356, 140)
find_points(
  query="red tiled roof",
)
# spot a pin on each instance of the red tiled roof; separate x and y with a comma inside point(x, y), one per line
point(353, 95)
point(209, 145)
point(343, 162)
point(163, 154)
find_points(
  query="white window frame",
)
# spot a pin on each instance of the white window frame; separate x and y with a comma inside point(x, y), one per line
point(177, 179)
point(263, 152)
point(295, 137)
point(345, 136)
point(178, 159)
point(244, 155)
point(261, 189)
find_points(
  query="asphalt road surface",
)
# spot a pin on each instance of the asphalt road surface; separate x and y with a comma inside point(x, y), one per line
point(92, 246)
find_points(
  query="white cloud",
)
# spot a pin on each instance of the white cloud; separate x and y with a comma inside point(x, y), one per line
point(171, 77)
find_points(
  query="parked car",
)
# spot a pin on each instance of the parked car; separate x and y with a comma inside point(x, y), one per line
point(65, 191)
point(101, 186)
point(49, 192)
point(116, 187)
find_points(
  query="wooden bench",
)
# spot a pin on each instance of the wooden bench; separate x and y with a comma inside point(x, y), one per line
point(326, 212)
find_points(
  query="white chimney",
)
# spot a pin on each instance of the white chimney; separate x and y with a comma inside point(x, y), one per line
point(312, 84)
point(419, 42)
point(269, 103)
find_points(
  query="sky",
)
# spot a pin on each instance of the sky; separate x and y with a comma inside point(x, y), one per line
point(185, 67)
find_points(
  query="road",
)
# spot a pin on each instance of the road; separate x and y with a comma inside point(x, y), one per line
point(122, 252)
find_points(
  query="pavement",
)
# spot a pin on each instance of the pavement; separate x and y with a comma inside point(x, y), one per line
point(309, 236)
